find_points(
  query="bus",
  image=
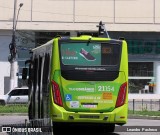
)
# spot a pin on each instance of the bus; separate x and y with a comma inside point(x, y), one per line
point(82, 79)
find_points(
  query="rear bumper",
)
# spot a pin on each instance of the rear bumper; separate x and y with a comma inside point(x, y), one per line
point(117, 116)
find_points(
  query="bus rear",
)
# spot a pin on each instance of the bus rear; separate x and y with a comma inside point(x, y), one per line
point(89, 80)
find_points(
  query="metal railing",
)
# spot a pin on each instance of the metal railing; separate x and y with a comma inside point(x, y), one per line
point(144, 105)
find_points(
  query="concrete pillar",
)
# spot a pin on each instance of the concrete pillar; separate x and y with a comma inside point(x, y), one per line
point(13, 75)
point(157, 77)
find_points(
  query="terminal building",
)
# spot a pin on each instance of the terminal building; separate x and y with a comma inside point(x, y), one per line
point(138, 21)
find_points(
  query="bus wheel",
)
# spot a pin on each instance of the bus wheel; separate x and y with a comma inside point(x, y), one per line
point(109, 128)
point(56, 128)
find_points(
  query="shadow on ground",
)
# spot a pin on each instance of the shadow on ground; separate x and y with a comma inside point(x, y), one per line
point(81, 130)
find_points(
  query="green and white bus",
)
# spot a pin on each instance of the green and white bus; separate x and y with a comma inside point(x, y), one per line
point(80, 80)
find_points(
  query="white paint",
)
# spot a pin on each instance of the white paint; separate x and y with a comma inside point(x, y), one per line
point(157, 77)
point(5, 39)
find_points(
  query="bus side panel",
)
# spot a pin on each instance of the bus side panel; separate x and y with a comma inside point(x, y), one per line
point(124, 65)
point(55, 66)
point(124, 68)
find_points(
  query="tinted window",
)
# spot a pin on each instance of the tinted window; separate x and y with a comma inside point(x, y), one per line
point(90, 75)
point(13, 93)
point(90, 54)
point(90, 61)
point(19, 92)
point(24, 92)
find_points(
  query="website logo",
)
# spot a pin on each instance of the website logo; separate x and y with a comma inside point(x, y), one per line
point(6, 129)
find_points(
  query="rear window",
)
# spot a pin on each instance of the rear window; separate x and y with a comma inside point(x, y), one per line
point(90, 54)
point(90, 61)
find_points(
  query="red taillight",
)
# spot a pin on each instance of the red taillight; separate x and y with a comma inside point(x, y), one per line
point(122, 95)
point(56, 94)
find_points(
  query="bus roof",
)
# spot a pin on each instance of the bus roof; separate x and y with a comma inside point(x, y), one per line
point(47, 43)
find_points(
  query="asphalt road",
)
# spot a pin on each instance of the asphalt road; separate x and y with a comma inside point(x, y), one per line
point(120, 130)
point(4, 120)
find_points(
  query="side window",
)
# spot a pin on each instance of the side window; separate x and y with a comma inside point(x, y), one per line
point(39, 84)
point(45, 85)
point(46, 71)
point(31, 73)
point(39, 71)
point(24, 92)
point(19, 92)
point(35, 67)
point(13, 93)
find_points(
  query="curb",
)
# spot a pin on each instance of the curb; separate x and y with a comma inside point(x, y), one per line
point(143, 117)
point(130, 116)
point(13, 114)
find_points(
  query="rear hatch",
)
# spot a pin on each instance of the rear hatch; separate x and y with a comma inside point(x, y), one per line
point(99, 96)
point(90, 78)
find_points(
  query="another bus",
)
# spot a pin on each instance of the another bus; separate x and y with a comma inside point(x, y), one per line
point(80, 80)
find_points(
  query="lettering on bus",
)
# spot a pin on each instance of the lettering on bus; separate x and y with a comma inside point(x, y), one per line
point(82, 89)
point(89, 97)
point(68, 52)
point(103, 101)
point(105, 88)
point(89, 106)
point(69, 58)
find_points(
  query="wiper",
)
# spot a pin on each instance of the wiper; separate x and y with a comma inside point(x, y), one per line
point(89, 40)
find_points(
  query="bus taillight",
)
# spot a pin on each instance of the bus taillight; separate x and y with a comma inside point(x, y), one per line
point(122, 95)
point(56, 94)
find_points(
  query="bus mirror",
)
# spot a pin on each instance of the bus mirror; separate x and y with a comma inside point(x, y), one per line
point(24, 73)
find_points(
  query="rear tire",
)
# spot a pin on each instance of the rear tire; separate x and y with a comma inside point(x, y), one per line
point(56, 128)
point(109, 128)
point(59, 128)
